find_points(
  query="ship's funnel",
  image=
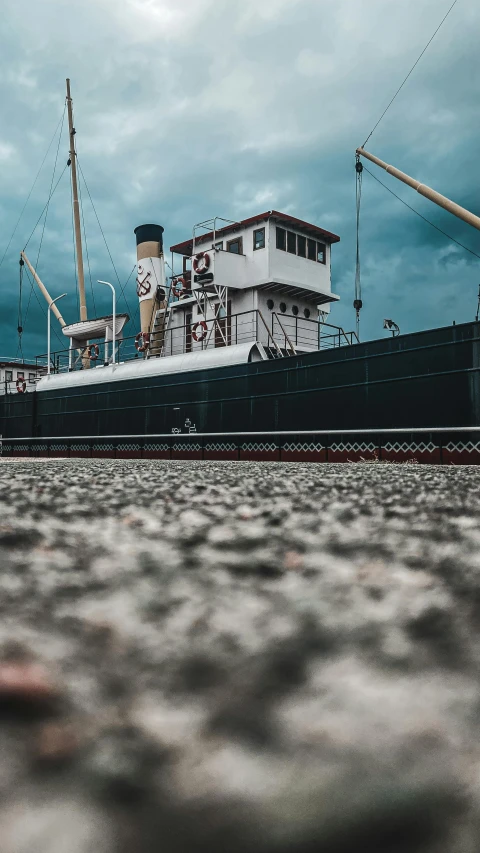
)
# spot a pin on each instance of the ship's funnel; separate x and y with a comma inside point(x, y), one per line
point(151, 282)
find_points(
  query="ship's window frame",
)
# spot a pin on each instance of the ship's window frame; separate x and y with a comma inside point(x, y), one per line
point(21, 374)
point(231, 243)
point(218, 246)
point(9, 376)
point(301, 241)
point(311, 249)
point(270, 304)
point(31, 378)
point(322, 249)
point(281, 239)
point(283, 307)
point(291, 243)
point(260, 231)
point(295, 310)
point(306, 313)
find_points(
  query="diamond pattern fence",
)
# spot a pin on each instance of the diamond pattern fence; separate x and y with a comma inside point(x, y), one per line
point(430, 448)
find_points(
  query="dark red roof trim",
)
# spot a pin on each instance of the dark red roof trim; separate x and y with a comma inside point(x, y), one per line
point(186, 247)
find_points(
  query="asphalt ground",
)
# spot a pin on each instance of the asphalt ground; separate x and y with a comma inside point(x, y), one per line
point(268, 657)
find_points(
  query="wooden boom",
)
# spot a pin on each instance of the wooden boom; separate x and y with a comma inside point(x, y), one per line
point(437, 198)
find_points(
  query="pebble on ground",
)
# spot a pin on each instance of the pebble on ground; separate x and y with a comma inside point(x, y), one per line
point(267, 657)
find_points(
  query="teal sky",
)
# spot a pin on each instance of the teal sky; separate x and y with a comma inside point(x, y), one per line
point(187, 109)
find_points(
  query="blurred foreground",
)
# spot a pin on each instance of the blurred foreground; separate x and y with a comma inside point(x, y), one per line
point(239, 657)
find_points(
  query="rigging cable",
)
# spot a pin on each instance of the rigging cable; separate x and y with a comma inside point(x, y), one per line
point(357, 302)
point(74, 251)
point(30, 193)
point(19, 319)
point(86, 248)
point(83, 227)
point(45, 210)
point(409, 73)
point(421, 216)
point(104, 238)
point(137, 304)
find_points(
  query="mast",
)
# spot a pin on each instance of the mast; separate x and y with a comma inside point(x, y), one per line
point(76, 209)
point(432, 195)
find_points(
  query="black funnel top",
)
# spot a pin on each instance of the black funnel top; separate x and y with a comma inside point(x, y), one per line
point(147, 233)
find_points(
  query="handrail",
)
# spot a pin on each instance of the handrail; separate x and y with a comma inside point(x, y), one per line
point(297, 333)
point(269, 333)
point(294, 352)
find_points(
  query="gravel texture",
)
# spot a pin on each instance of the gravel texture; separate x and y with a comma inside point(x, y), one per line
point(239, 657)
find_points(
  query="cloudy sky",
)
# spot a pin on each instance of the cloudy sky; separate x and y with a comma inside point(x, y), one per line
point(187, 109)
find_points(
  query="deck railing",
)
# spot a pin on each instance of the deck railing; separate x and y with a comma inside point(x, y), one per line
point(282, 335)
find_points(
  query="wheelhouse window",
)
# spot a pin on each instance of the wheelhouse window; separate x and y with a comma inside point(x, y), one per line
point(9, 376)
point(281, 239)
point(218, 246)
point(20, 374)
point(321, 253)
point(291, 242)
point(301, 246)
point(259, 239)
point(311, 250)
point(235, 246)
point(31, 377)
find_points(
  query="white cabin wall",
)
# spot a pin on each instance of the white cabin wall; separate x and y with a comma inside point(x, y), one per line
point(294, 270)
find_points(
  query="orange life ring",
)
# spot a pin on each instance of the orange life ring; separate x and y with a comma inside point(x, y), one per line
point(21, 385)
point(179, 291)
point(93, 352)
point(201, 262)
point(142, 341)
point(204, 330)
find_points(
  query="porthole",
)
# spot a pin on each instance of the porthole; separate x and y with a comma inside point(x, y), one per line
point(283, 307)
point(306, 313)
point(295, 310)
point(270, 304)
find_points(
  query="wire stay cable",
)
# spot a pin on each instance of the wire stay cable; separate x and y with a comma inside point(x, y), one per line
point(50, 190)
point(420, 215)
point(104, 238)
point(409, 73)
point(45, 207)
point(31, 191)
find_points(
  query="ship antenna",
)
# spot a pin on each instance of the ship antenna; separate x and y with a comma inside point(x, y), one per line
point(76, 209)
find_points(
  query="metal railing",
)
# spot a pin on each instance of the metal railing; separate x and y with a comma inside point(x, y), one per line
point(304, 333)
point(286, 335)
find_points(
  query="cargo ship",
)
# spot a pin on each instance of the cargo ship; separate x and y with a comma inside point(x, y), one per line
point(236, 357)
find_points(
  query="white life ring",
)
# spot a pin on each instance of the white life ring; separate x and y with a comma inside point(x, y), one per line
point(142, 341)
point(179, 291)
point(93, 352)
point(203, 330)
point(201, 262)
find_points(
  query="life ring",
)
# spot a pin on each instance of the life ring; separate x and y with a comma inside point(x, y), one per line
point(142, 341)
point(93, 352)
point(201, 262)
point(21, 385)
point(179, 291)
point(204, 330)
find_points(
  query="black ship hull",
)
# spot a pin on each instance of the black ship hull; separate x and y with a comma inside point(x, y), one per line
point(344, 396)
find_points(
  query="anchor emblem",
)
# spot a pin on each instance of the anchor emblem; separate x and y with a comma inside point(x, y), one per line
point(144, 285)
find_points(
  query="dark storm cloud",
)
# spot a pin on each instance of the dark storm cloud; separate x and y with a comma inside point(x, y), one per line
point(195, 108)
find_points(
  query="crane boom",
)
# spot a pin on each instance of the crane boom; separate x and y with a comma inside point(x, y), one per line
point(437, 198)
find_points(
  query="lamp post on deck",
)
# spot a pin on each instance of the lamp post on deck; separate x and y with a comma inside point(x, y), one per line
point(48, 329)
point(114, 303)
